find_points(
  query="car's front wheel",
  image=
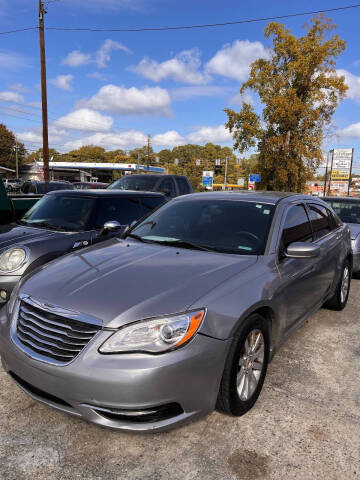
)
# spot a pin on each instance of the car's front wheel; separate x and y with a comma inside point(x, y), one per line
point(245, 367)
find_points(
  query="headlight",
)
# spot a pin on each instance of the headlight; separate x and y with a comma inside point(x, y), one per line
point(12, 259)
point(155, 336)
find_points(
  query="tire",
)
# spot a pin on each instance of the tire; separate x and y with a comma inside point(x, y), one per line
point(232, 398)
point(339, 300)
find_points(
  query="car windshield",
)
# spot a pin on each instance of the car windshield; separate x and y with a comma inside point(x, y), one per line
point(60, 212)
point(129, 182)
point(227, 226)
point(348, 211)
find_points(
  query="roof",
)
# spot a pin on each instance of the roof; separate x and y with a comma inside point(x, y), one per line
point(7, 169)
point(262, 197)
point(99, 166)
point(106, 193)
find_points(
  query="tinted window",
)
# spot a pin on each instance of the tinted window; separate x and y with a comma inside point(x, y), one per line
point(167, 185)
point(297, 226)
point(321, 220)
point(25, 188)
point(124, 210)
point(132, 182)
point(348, 211)
point(52, 186)
point(225, 226)
point(183, 186)
point(61, 212)
point(149, 203)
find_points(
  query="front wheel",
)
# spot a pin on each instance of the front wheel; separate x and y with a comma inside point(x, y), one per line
point(339, 300)
point(245, 367)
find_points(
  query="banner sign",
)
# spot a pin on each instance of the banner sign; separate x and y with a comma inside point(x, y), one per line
point(341, 164)
point(208, 179)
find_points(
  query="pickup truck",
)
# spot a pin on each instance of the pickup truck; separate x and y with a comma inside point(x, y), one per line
point(13, 207)
point(171, 185)
point(64, 221)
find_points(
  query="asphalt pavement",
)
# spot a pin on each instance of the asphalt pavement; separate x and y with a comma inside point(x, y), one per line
point(306, 424)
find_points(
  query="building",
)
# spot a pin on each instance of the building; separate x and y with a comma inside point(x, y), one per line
point(83, 171)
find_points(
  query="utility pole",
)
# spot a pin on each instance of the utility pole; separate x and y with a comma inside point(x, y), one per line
point(148, 147)
point(225, 176)
point(42, 13)
point(138, 163)
point(17, 159)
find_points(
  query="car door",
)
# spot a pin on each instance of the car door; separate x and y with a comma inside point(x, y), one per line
point(298, 293)
point(329, 238)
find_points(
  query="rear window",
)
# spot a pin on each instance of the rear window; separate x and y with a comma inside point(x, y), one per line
point(123, 210)
point(150, 203)
point(140, 183)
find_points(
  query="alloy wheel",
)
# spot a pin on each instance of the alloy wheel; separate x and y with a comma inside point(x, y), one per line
point(250, 365)
point(345, 282)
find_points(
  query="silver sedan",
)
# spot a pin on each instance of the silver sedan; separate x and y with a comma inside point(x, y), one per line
point(180, 315)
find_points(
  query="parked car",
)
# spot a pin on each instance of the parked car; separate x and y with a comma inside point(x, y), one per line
point(181, 315)
point(90, 185)
point(36, 187)
point(13, 184)
point(14, 206)
point(64, 221)
point(348, 209)
point(171, 185)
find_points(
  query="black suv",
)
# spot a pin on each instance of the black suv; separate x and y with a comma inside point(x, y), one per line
point(41, 188)
point(171, 185)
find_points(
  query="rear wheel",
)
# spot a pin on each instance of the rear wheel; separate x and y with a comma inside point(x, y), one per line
point(339, 300)
point(245, 368)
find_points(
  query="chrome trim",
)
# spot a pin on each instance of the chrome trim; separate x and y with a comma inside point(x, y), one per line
point(115, 411)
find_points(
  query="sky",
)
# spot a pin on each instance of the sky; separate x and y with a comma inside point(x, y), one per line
point(113, 88)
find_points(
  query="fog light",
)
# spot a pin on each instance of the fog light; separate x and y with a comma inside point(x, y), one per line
point(3, 295)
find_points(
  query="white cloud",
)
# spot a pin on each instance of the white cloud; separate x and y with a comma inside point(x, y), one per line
point(130, 101)
point(185, 93)
point(110, 141)
point(64, 82)
point(168, 139)
point(238, 99)
point(11, 97)
point(13, 61)
point(77, 59)
point(184, 67)
point(352, 130)
point(353, 82)
point(217, 134)
point(85, 120)
point(234, 60)
point(103, 55)
point(18, 87)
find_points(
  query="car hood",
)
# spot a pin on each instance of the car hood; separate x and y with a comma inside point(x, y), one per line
point(354, 229)
point(123, 281)
point(14, 234)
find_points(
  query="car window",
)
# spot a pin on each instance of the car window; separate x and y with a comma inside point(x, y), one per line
point(348, 211)
point(132, 182)
point(25, 188)
point(123, 210)
point(225, 226)
point(32, 188)
point(320, 220)
point(150, 203)
point(297, 226)
point(183, 185)
point(168, 185)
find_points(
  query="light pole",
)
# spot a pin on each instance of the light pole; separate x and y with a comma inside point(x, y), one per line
point(225, 175)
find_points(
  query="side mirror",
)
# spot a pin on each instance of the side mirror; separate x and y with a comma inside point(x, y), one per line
point(111, 226)
point(302, 250)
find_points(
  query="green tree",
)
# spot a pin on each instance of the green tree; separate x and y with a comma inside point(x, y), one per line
point(299, 90)
point(88, 153)
point(54, 156)
point(8, 144)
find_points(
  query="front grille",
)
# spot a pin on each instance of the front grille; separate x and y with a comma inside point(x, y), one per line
point(50, 335)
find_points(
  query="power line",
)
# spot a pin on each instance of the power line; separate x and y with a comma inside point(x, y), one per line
point(187, 27)
point(206, 25)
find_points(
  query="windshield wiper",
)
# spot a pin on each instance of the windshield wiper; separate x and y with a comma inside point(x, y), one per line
point(185, 244)
point(137, 237)
point(46, 225)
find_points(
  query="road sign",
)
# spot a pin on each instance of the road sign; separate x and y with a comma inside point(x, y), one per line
point(241, 182)
point(255, 177)
point(208, 179)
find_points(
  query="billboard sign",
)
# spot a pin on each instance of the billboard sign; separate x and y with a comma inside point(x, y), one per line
point(255, 177)
point(341, 164)
point(208, 179)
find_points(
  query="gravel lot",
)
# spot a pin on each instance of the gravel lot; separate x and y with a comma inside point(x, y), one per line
point(306, 424)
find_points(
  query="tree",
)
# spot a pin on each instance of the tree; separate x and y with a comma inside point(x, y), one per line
point(8, 144)
point(88, 153)
point(54, 156)
point(299, 89)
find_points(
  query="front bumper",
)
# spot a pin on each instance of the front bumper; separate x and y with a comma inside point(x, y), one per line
point(7, 283)
point(94, 384)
